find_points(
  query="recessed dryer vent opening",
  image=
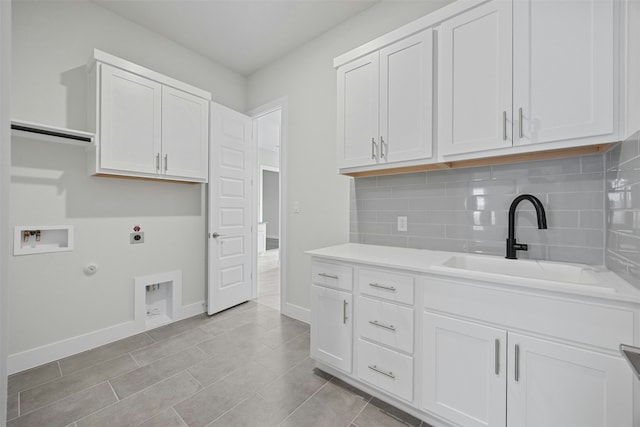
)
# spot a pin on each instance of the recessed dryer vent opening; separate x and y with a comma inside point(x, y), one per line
point(158, 298)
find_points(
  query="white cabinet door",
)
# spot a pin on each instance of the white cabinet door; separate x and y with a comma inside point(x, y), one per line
point(464, 367)
point(555, 385)
point(331, 327)
point(185, 134)
point(474, 80)
point(130, 122)
point(406, 99)
point(563, 69)
point(358, 139)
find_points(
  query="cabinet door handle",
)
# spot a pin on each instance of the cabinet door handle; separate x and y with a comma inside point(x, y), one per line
point(373, 148)
point(381, 147)
point(497, 356)
point(516, 375)
point(504, 125)
point(344, 311)
point(157, 162)
point(380, 371)
point(382, 325)
point(379, 286)
point(520, 131)
point(330, 276)
point(166, 162)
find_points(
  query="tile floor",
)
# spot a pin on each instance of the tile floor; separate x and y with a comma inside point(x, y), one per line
point(269, 279)
point(247, 366)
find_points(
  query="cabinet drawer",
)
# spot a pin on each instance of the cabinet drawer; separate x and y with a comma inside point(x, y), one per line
point(386, 369)
point(386, 323)
point(332, 275)
point(388, 285)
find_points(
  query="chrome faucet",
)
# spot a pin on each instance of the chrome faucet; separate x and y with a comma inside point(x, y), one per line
point(512, 245)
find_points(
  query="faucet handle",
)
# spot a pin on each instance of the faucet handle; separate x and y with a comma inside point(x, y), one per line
point(520, 247)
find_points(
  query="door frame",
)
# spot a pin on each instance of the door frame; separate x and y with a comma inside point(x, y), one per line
point(5, 167)
point(282, 105)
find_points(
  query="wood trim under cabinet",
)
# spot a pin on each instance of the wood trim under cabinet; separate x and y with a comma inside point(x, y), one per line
point(511, 158)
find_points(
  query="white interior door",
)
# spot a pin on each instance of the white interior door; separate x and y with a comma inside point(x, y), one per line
point(230, 209)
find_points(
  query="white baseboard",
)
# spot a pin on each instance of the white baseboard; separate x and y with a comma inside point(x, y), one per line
point(299, 313)
point(192, 310)
point(68, 347)
point(47, 353)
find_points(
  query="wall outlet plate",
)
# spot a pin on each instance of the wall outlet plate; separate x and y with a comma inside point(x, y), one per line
point(136, 237)
point(402, 223)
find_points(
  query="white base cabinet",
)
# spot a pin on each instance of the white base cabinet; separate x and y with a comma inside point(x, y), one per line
point(331, 339)
point(464, 371)
point(456, 352)
point(551, 384)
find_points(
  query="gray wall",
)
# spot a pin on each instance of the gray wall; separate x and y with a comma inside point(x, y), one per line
point(623, 209)
point(465, 210)
point(307, 78)
point(5, 154)
point(52, 42)
point(271, 202)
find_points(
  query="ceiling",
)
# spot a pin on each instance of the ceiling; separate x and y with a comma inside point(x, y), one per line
point(243, 35)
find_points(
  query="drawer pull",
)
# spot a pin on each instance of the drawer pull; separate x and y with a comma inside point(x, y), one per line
point(344, 312)
point(329, 276)
point(516, 375)
point(497, 357)
point(379, 286)
point(382, 325)
point(380, 371)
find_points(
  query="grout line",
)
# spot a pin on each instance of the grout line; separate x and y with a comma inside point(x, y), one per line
point(230, 409)
point(113, 390)
point(196, 380)
point(178, 415)
point(305, 401)
point(361, 410)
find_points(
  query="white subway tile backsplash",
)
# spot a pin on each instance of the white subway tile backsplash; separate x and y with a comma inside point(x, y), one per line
point(452, 245)
point(592, 200)
point(423, 191)
point(593, 163)
point(466, 210)
point(416, 178)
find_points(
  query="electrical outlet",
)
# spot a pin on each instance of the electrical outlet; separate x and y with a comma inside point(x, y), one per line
point(402, 223)
point(135, 238)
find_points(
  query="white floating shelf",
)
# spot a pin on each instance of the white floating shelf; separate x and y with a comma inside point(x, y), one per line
point(51, 133)
point(39, 239)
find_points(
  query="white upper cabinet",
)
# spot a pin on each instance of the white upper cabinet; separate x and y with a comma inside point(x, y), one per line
point(563, 76)
point(406, 94)
point(358, 112)
point(474, 80)
point(185, 134)
point(130, 121)
point(563, 83)
point(147, 125)
point(385, 104)
point(513, 77)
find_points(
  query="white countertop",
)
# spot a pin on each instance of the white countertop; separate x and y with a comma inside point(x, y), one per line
point(607, 284)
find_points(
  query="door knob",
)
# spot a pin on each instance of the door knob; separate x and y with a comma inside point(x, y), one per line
point(215, 235)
